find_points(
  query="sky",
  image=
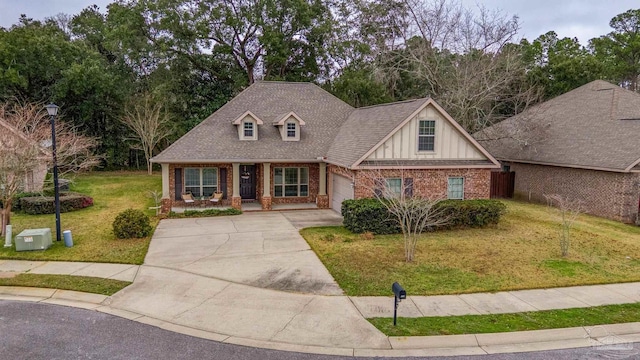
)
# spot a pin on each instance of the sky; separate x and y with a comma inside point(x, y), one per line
point(583, 19)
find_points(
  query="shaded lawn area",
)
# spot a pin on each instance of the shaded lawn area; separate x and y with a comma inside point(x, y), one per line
point(67, 282)
point(521, 252)
point(91, 228)
point(483, 324)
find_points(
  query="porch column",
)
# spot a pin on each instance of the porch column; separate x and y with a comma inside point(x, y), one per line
point(165, 181)
point(165, 202)
point(236, 201)
point(266, 186)
point(323, 198)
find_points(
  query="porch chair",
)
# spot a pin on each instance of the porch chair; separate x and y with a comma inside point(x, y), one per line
point(188, 200)
point(215, 198)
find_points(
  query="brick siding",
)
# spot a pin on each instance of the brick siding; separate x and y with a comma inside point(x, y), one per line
point(429, 183)
point(608, 194)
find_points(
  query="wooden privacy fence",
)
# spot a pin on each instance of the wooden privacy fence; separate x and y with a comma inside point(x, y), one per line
point(502, 184)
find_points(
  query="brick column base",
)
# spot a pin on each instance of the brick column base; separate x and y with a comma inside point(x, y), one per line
point(236, 202)
point(165, 206)
point(266, 203)
point(323, 201)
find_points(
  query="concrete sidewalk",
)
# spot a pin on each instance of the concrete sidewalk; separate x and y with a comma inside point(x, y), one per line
point(500, 302)
point(124, 272)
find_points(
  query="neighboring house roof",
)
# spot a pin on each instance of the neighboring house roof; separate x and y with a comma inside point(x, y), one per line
point(334, 131)
point(596, 126)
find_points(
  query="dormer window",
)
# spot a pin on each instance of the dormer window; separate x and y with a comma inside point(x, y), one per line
point(290, 126)
point(292, 130)
point(247, 126)
point(248, 129)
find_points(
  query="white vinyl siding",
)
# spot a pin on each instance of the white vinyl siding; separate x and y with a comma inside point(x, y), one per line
point(450, 144)
point(455, 189)
point(290, 182)
point(201, 181)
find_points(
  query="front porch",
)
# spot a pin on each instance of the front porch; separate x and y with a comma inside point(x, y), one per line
point(246, 186)
point(250, 206)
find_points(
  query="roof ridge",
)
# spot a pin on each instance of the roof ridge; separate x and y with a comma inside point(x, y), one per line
point(392, 103)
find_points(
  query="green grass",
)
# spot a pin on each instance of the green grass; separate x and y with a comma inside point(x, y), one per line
point(538, 320)
point(93, 237)
point(521, 252)
point(67, 282)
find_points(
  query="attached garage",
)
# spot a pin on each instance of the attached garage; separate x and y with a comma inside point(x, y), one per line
point(342, 190)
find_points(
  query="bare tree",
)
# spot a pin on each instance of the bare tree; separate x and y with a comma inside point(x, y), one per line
point(25, 141)
point(149, 123)
point(414, 213)
point(464, 59)
point(566, 211)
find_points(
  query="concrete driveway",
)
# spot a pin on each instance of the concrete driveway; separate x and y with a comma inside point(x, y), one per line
point(251, 277)
point(261, 249)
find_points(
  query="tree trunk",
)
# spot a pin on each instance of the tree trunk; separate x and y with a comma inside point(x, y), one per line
point(149, 167)
point(6, 217)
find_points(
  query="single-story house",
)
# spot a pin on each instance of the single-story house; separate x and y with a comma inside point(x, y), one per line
point(583, 145)
point(13, 141)
point(281, 143)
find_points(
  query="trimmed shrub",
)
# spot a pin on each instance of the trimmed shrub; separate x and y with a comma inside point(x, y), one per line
point(37, 205)
point(131, 224)
point(368, 215)
point(204, 213)
point(472, 213)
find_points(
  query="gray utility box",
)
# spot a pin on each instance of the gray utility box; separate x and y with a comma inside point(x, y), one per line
point(33, 239)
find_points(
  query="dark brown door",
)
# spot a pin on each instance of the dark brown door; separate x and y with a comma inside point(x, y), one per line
point(248, 181)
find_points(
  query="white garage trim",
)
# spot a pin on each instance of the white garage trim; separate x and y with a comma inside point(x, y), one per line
point(341, 190)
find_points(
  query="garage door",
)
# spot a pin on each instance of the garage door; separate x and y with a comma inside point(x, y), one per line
point(342, 190)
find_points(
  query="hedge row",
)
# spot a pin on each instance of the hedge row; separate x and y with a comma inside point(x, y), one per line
point(36, 205)
point(364, 215)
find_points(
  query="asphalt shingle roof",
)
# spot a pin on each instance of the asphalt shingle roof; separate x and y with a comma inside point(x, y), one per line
point(590, 127)
point(366, 126)
point(216, 138)
point(333, 129)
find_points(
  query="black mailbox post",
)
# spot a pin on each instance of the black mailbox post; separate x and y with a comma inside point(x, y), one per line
point(399, 294)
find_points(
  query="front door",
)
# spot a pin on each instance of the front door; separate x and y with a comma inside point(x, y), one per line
point(248, 181)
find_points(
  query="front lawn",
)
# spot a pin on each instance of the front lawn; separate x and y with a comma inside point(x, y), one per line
point(88, 284)
point(536, 320)
point(91, 228)
point(522, 252)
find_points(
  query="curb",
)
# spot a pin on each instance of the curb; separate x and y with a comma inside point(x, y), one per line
point(600, 337)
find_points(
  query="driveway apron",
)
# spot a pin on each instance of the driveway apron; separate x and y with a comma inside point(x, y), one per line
point(251, 276)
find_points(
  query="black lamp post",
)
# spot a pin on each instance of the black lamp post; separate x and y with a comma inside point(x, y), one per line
point(52, 109)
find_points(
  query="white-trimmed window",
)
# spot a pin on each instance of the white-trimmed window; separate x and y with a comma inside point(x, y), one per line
point(248, 129)
point(394, 186)
point(201, 181)
point(426, 135)
point(291, 182)
point(291, 130)
point(455, 189)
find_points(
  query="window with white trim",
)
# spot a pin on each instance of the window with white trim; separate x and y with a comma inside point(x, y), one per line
point(290, 182)
point(248, 129)
point(291, 130)
point(426, 135)
point(394, 186)
point(201, 181)
point(455, 189)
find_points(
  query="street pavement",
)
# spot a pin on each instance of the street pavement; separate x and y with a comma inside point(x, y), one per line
point(35, 331)
point(252, 280)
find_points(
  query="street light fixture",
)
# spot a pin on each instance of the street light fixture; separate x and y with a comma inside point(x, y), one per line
point(52, 109)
